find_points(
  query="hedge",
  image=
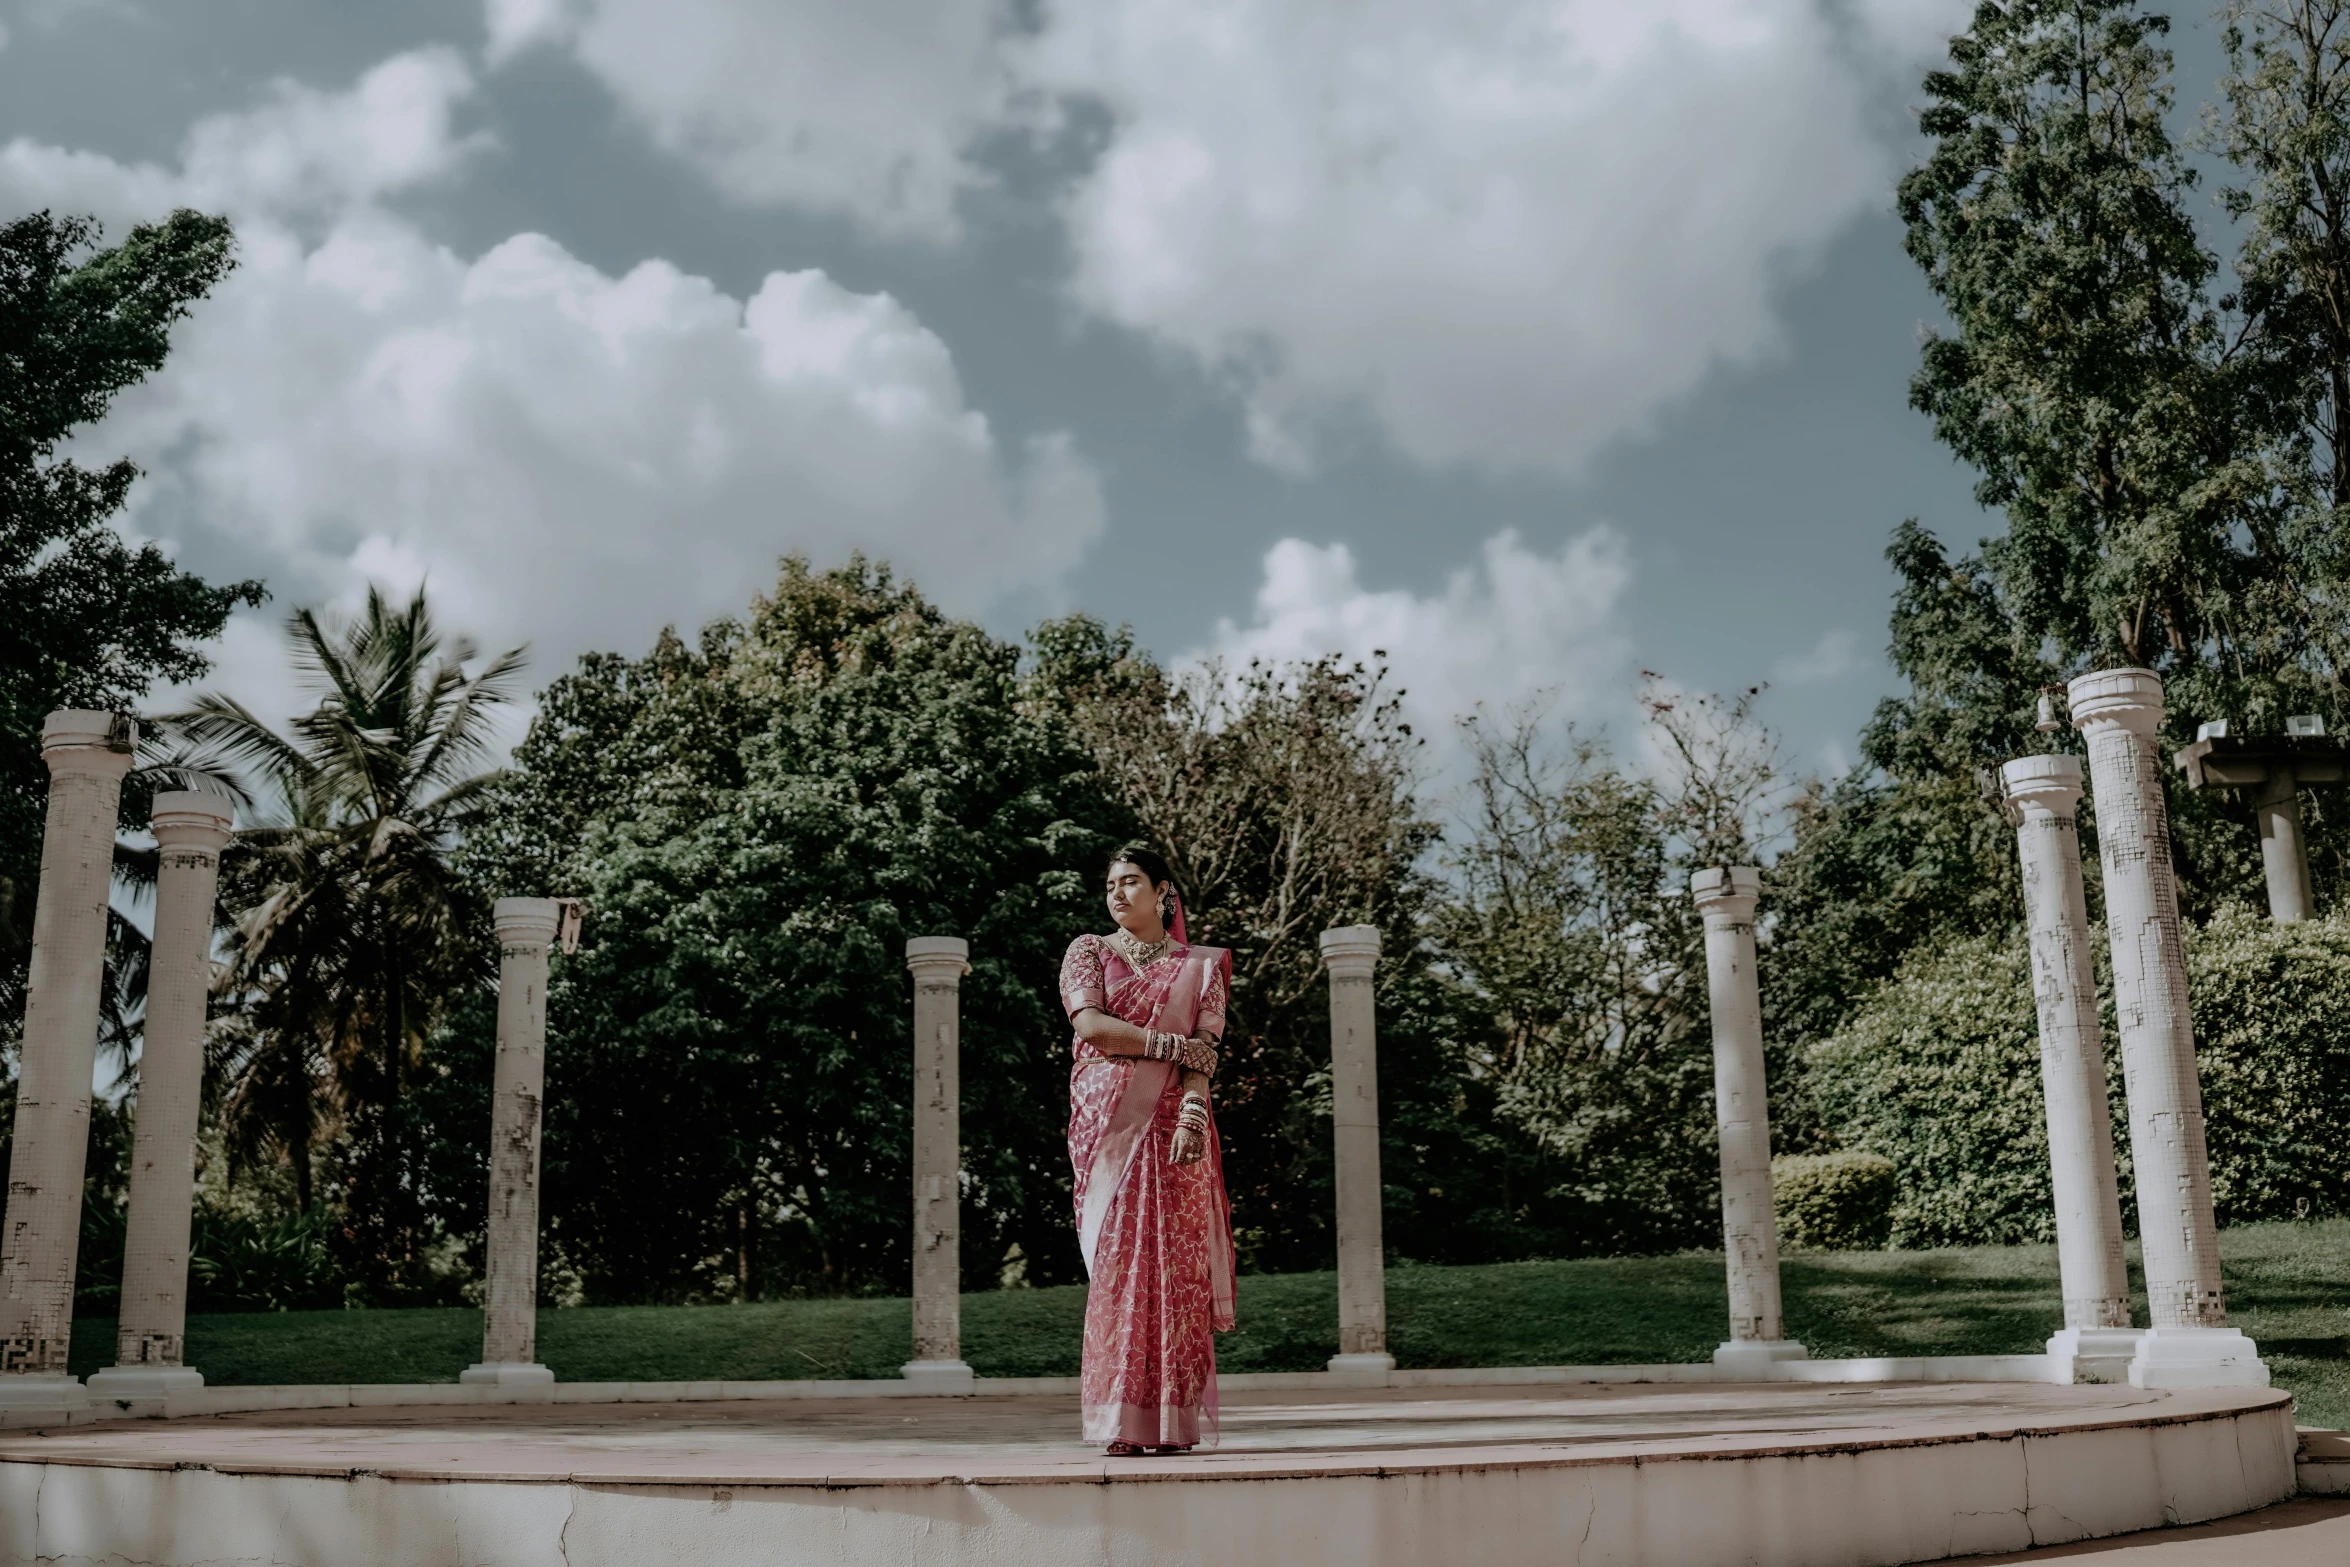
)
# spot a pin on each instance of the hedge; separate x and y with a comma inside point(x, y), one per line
point(1939, 1072)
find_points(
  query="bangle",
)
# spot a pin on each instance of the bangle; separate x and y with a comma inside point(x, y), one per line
point(1193, 1116)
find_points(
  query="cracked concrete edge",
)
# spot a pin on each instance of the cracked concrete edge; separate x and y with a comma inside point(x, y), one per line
point(220, 1400)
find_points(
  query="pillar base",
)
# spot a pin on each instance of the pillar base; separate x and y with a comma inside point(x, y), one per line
point(143, 1384)
point(31, 1398)
point(506, 1373)
point(1369, 1366)
point(2197, 1357)
point(2092, 1354)
point(1751, 1359)
point(939, 1376)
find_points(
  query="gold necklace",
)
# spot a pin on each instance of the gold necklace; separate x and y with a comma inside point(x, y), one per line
point(1140, 953)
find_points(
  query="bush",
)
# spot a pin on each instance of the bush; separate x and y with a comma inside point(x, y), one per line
point(1834, 1201)
point(2272, 1048)
point(1939, 1071)
point(275, 1264)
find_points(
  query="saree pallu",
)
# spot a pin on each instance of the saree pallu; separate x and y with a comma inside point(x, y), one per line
point(1157, 1236)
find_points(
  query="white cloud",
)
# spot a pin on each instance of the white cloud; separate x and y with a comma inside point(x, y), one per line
point(571, 458)
point(1506, 231)
point(869, 110)
point(1835, 655)
point(1513, 629)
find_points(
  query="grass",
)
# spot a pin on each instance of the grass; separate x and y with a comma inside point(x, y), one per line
point(2288, 1286)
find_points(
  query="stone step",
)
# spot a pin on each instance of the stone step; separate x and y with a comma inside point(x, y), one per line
point(2323, 1463)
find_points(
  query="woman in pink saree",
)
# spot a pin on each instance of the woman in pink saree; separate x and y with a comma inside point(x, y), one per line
point(1152, 1217)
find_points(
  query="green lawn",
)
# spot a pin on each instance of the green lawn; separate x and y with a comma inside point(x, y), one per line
point(2288, 1286)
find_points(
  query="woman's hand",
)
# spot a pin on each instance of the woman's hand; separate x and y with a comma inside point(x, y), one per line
point(1189, 1145)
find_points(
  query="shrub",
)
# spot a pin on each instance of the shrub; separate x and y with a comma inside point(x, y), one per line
point(1839, 1201)
point(2272, 1049)
point(1939, 1071)
point(275, 1264)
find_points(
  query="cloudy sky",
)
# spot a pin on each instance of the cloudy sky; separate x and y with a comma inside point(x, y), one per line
point(1534, 341)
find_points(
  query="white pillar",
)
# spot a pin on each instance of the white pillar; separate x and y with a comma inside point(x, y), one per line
point(1726, 897)
point(2190, 1343)
point(2284, 856)
point(1351, 953)
point(87, 753)
point(510, 1294)
point(939, 964)
point(2096, 1342)
point(149, 1344)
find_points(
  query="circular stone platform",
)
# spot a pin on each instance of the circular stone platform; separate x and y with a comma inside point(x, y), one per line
point(1805, 1475)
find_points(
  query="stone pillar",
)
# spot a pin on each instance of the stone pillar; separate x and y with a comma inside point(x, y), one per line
point(1750, 1230)
point(2189, 1344)
point(2283, 854)
point(87, 753)
point(939, 964)
point(510, 1296)
point(1352, 955)
point(2096, 1342)
point(190, 831)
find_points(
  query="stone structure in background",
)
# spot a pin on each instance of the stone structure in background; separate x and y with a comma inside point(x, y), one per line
point(1352, 955)
point(2118, 712)
point(2273, 769)
point(510, 1297)
point(149, 1343)
point(88, 753)
point(939, 964)
point(2096, 1342)
point(1726, 898)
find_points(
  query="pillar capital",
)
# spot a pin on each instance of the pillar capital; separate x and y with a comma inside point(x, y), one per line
point(85, 740)
point(526, 922)
point(1351, 951)
point(2129, 698)
point(1726, 894)
point(2045, 783)
point(192, 819)
point(938, 960)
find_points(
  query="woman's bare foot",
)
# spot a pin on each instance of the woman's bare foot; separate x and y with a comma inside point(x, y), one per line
point(1123, 1450)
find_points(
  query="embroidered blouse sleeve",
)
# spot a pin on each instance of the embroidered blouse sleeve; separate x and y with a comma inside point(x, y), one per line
point(1213, 998)
point(1082, 982)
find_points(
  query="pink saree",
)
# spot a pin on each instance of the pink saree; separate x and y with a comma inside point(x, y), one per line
point(1157, 1236)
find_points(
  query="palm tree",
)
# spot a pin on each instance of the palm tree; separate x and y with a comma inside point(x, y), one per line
point(352, 931)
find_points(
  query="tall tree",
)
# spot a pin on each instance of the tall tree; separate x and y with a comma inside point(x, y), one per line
point(759, 821)
point(2284, 126)
point(2088, 377)
point(1567, 917)
point(1282, 799)
point(353, 934)
point(86, 619)
point(2124, 423)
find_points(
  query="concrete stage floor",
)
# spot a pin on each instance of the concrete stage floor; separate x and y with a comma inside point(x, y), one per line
point(1814, 1473)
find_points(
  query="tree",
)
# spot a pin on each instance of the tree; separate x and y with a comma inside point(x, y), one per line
point(1566, 920)
point(2089, 379)
point(2128, 427)
point(86, 619)
point(353, 934)
point(759, 823)
point(1282, 800)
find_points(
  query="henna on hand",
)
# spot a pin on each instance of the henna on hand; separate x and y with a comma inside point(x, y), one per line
point(1199, 1055)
